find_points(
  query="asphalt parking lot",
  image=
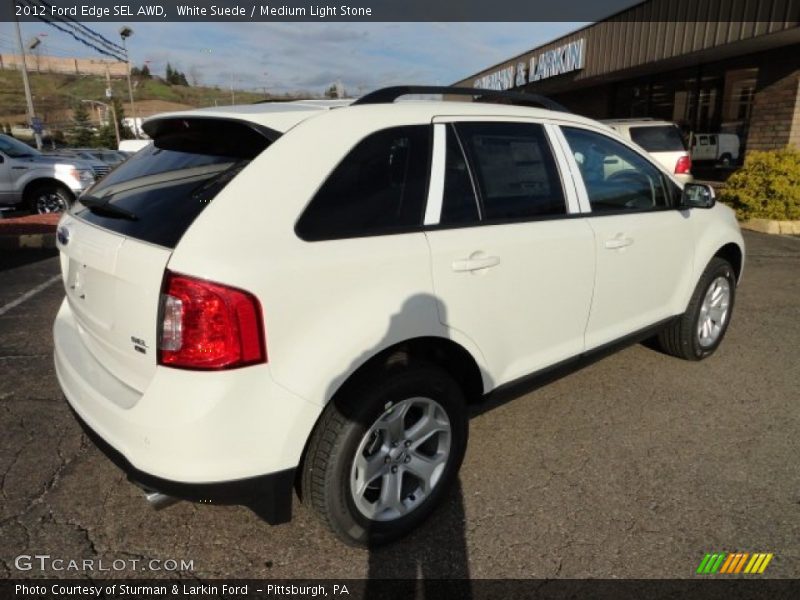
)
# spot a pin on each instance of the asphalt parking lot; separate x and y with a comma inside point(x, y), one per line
point(632, 467)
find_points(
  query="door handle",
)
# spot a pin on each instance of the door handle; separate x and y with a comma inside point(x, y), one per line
point(619, 242)
point(475, 263)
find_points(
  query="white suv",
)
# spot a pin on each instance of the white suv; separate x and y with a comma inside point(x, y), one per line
point(662, 139)
point(291, 294)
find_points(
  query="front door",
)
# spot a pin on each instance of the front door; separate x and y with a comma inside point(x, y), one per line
point(644, 246)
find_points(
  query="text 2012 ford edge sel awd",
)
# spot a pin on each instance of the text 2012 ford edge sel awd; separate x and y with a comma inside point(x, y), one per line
point(308, 294)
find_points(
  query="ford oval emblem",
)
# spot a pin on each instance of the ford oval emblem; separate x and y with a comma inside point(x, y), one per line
point(63, 235)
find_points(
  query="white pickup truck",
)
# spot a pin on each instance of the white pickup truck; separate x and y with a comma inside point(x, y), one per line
point(40, 183)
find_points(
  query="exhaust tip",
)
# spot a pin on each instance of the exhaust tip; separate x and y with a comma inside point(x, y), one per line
point(158, 500)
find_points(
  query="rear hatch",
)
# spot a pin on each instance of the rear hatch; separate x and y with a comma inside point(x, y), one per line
point(117, 239)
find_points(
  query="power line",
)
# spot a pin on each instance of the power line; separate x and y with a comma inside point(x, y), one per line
point(68, 20)
point(74, 35)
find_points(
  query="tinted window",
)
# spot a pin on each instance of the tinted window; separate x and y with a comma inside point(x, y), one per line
point(616, 177)
point(459, 204)
point(167, 184)
point(658, 139)
point(379, 187)
point(515, 170)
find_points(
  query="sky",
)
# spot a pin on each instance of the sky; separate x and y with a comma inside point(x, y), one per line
point(291, 57)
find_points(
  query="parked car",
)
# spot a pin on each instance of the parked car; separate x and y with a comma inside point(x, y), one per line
point(110, 157)
point(41, 183)
point(662, 139)
point(132, 146)
point(99, 167)
point(720, 148)
point(396, 262)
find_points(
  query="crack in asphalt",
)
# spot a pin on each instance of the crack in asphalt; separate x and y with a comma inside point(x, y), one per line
point(52, 481)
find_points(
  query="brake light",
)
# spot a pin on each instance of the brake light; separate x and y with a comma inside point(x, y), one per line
point(683, 166)
point(206, 325)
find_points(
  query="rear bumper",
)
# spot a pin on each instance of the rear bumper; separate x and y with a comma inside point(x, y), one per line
point(269, 496)
point(189, 434)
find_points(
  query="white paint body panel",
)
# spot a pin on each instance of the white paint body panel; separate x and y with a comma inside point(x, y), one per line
point(330, 306)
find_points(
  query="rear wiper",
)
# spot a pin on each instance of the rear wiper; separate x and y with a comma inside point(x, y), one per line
point(102, 207)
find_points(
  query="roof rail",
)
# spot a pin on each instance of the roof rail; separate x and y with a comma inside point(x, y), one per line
point(390, 94)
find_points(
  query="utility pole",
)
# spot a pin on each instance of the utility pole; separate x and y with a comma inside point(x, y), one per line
point(125, 33)
point(26, 84)
point(109, 94)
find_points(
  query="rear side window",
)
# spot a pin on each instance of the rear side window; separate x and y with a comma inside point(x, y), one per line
point(515, 170)
point(379, 188)
point(156, 194)
point(658, 139)
point(459, 203)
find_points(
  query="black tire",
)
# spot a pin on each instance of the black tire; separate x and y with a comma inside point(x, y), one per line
point(681, 338)
point(343, 426)
point(725, 160)
point(49, 198)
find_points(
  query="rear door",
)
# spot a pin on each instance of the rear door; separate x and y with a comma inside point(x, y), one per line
point(119, 236)
point(512, 260)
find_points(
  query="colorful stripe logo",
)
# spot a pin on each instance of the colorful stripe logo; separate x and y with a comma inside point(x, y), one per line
point(734, 562)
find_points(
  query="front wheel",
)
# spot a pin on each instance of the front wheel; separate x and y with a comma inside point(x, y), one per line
point(384, 455)
point(49, 198)
point(699, 331)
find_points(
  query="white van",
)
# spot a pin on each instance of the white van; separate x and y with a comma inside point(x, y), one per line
point(721, 148)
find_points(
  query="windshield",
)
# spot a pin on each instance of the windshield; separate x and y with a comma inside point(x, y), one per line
point(156, 194)
point(666, 138)
point(14, 148)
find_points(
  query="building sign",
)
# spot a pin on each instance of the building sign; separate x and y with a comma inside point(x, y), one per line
point(499, 80)
point(564, 59)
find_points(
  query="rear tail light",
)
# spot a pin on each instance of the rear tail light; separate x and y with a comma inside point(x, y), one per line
point(683, 166)
point(206, 325)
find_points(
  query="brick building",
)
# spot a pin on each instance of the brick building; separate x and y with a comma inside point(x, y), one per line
point(712, 66)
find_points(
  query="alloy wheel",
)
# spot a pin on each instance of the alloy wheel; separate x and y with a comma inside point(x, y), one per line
point(714, 312)
point(400, 459)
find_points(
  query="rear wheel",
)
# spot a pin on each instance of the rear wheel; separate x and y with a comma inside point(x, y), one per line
point(700, 330)
point(49, 198)
point(383, 456)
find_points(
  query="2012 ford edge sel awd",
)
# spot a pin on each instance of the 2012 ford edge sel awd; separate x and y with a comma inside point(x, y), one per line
point(308, 294)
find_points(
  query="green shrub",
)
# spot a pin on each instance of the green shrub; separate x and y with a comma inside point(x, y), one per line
point(767, 187)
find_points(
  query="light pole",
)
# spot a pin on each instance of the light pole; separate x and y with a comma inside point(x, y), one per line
point(125, 33)
point(26, 84)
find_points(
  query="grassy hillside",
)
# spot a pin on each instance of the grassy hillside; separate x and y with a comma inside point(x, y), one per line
point(54, 93)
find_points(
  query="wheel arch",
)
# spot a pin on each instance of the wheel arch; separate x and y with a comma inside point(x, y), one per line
point(734, 255)
point(40, 181)
point(445, 353)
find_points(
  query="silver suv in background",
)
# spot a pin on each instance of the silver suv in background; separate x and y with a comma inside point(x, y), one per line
point(662, 140)
point(41, 183)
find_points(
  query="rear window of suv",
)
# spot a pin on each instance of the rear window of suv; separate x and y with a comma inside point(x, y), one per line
point(657, 138)
point(156, 194)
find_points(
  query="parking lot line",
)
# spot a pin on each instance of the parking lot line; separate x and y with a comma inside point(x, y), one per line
point(29, 294)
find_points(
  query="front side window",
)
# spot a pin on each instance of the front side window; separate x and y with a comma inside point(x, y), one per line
point(514, 169)
point(379, 188)
point(616, 177)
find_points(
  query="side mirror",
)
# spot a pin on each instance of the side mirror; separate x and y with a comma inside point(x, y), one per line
point(697, 195)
